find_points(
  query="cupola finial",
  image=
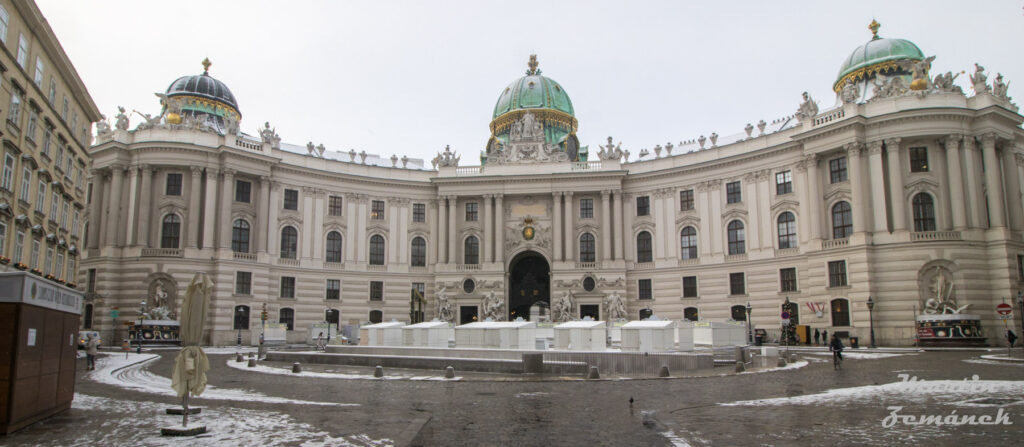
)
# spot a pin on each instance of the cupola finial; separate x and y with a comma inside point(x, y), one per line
point(533, 65)
point(874, 28)
point(206, 65)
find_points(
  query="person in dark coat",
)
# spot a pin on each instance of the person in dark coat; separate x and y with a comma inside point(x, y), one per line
point(1011, 337)
point(817, 336)
point(824, 337)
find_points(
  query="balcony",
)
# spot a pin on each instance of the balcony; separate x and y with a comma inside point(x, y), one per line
point(376, 268)
point(334, 265)
point(288, 262)
point(928, 236)
point(835, 243)
point(162, 252)
point(249, 257)
point(783, 252)
point(467, 267)
point(689, 261)
point(586, 265)
point(736, 257)
point(644, 265)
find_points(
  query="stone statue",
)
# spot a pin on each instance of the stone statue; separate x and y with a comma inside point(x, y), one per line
point(158, 308)
point(310, 148)
point(362, 157)
point(405, 160)
point(562, 310)
point(269, 135)
point(445, 311)
point(944, 301)
point(944, 83)
point(610, 151)
point(714, 138)
point(447, 158)
point(121, 122)
point(230, 125)
point(320, 150)
point(999, 88)
point(492, 307)
point(149, 121)
point(808, 108)
point(394, 161)
point(668, 148)
point(160, 295)
point(615, 307)
point(888, 86)
point(102, 126)
point(978, 79)
point(850, 92)
point(919, 73)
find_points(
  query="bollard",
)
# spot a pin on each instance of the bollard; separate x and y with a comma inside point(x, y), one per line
point(238, 358)
point(449, 373)
point(782, 361)
point(593, 373)
point(296, 368)
point(252, 362)
point(740, 368)
point(379, 371)
point(792, 357)
point(664, 371)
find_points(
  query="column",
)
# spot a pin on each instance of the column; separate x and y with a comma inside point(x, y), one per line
point(453, 206)
point(716, 229)
point(273, 236)
point(226, 200)
point(606, 226)
point(1020, 175)
point(488, 245)
point(618, 222)
point(672, 245)
point(993, 182)
point(360, 239)
point(133, 191)
point(113, 221)
point(1013, 202)
point(556, 226)
point(881, 222)
point(764, 208)
point(803, 188)
point(433, 217)
point(628, 249)
point(393, 240)
point(95, 208)
point(853, 152)
point(402, 239)
point(658, 205)
point(210, 208)
point(955, 181)
point(262, 210)
point(147, 209)
point(704, 209)
point(814, 201)
point(318, 247)
point(499, 229)
point(306, 233)
point(570, 229)
point(899, 204)
point(441, 237)
point(973, 188)
point(350, 243)
point(753, 215)
point(192, 230)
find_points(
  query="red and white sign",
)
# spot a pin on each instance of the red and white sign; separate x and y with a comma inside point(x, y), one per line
point(1004, 309)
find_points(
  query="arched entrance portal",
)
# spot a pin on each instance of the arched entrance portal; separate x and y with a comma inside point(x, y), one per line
point(529, 279)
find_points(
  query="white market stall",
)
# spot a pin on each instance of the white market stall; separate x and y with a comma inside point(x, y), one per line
point(649, 336)
point(581, 336)
point(718, 334)
point(384, 334)
point(684, 336)
point(432, 334)
point(497, 335)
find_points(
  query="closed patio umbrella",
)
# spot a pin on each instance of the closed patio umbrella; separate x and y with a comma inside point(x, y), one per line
point(189, 376)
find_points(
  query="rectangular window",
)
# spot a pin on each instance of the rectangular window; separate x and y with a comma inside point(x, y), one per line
point(837, 273)
point(26, 184)
point(333, 289)
point(34, 259)
point(53, 90)
point(1020, 267)
point(15, 111)
point(644, 291)
point(3, 237)
point(49, 261)
point(91, 284)
point(472, 211)
point(733, 192)
point(419, 212)
point(58, 266)
point(243, 191)
point(74, 224)
point(4, 20)
point(64, 109)
point(33, 122)
point(39, 72)
point(643, 206)
point(243, 282)
point(783, 182)
point(59, 162)
point(287, 287)
point(837, 170)
point(291, 199)
point(54, 206)
point(918, 159)
point(69, 164)
point(19, 247)
point(689, 287)
point(334, 205)
point(7, 181)
point(72, 274)
point(787, 279)
point(376, 290)
point(737, 284)
point(686, 200)
point(22, 50)
point(47, 139)
point(41, 196)
point(64, 216)
point(173, 184)
point(377, 210)
point(586, 208)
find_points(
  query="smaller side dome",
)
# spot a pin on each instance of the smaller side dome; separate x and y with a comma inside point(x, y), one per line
point(878, 55)
point(204, 94)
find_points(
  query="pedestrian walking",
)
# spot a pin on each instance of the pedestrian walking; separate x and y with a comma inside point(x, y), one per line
point(824, 336)
point(817, 336)
point(90, 352)
point(1011, 338)
point(320, 341)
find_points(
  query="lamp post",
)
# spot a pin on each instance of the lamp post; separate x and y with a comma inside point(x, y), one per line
point(871, 318)
point(138, 329)
point(1020, 305)
point(750, 334)
point(785, 326)
point(238, 323)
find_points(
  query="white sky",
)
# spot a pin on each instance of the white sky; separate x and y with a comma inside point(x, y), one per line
point(408, 78)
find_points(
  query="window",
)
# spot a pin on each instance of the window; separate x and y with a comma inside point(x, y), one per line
point(64, 215)
point(72, 273)
point(334, 205)
point(737, 284)
point(686, 200)
point(842, 221)
point(3, 237)
point(643, 206)
point(419, 212)
point(737, 238)
point(287, 287)
point(837, 170)
point(171, 231)
point(918, 159)
point(1020, 266)
point(8, 176)
point(376, 290)
point(60, 154)
point(74, 224)
point(91, 284)
point(243, 283)
point(587, 248)
point(688, 243)
point(54, 204)
point(376, 316)
point(837, 274)
point(67, 167)
point(333, 289)
point(33, 122)
point(19, 247)
point(733, 192)
point(783, 182)
point(787, 230)
point(377, 210)
point(53, 90)
point(689, 287)
point(738, 313)
point(35, 254)
point(644, 291)
point(291, 199)
point(22, 50)
point(691, 314)
point(49, 261)
point(26, 184)
point(376, 250)
point(15, 112)
point(173, 184)
point(286, 316)
point(87, 317)
point(240, 236)
point(468, 286)
point(333, 247)
point(840, 312)
point(787, 279)
point(241, 318)
point(289, 242)
point(419, 252)
point(243, 191)
point(64, 109)
point(924, 212)
point(41, 196)
point(472, 250)
point(47, 139)
point(643, 247)
point(39, 73)
point(471, 211)
point(4, 20)
point(586, 208)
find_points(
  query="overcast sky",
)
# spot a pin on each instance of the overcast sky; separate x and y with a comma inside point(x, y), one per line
point(408, 78)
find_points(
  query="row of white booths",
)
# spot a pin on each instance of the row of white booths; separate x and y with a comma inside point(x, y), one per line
point(650, 335)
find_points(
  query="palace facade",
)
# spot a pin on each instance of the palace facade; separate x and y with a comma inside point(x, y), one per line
point(905, 181)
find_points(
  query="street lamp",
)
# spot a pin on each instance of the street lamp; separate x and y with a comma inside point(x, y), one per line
point(138, 329)
point(750, 334)
point(871, 318)
point(785, 326)
point(238, 323)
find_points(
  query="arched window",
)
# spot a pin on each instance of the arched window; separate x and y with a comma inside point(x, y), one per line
point(376, 250)
point(737, 238)
point(419, 252)
point(691, 314)
point(688, 241)
point(924, 212)
point(332, 316)
point(588, 251)
point(643, 247)
point(171, 231)
point(241, 318)
point(471, 252)
point(738, 312)
point(333, 247)
point(840, 312)
point(289, 243)
point(287, 316)
point(646, 313)
point(842, 221)
point(376, 316)
point(787, 230)
point(87, 317)
point(240, 236)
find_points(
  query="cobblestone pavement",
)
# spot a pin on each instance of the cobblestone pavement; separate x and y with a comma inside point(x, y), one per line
point(769, 408)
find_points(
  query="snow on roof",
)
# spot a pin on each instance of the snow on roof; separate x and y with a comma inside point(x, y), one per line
point(580, 324)
point(385, 325)
point(498, 325)
point(428, 325)
point(657, 324)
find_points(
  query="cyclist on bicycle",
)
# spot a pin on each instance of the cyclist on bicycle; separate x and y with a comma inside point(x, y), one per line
point(836, 346)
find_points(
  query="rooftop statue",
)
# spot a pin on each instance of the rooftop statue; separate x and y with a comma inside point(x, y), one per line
point(999, 88)
point(944, 83)
point(610, 151)
point(121, 122)
point(978, 79)
point(808, 109)
point(269, 135)
point(850, 93)
point(446, 158)
point(102, 126)
point(919, 71)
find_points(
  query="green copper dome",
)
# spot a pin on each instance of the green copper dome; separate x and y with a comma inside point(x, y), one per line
point(877, 55)
point(533, 91)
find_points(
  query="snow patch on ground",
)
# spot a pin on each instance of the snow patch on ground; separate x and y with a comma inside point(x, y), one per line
point(676, 441)
point(794, 365)
point(993, 362)
point(905, 392)
point(861, 355)
point(536, 394)
point(331, 375)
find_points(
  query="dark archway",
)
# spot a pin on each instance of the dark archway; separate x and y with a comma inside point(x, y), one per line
point(529, 279)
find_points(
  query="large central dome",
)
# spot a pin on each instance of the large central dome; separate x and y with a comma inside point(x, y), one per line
point(878, 55)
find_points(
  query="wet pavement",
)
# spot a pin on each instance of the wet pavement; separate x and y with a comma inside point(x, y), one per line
point(768, 408)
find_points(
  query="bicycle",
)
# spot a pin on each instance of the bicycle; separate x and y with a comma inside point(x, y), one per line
point(837, 359)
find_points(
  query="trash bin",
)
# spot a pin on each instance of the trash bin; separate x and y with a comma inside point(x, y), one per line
point(854, 342)
point(758, 340)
